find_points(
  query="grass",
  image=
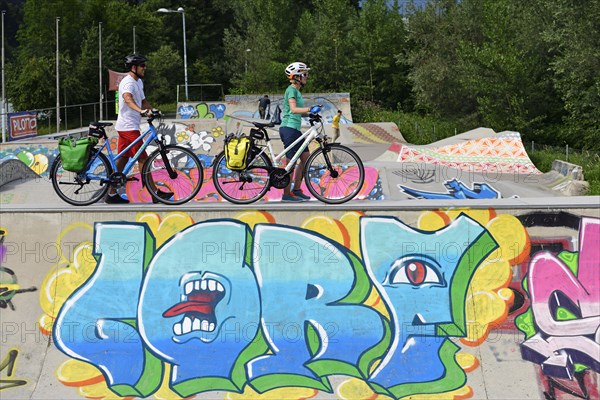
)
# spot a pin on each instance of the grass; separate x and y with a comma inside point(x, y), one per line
point(590, 162)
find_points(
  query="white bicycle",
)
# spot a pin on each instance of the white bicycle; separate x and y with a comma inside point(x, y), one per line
point(333, 172)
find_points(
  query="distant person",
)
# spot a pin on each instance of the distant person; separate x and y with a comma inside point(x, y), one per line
point(336, 125)
point(276, 116)
point(132, 105)
point(264, 106)
point(291, 121)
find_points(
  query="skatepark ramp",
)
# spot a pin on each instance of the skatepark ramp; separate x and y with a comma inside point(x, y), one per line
point(460, 271)
point(390, 299)
point(14, 169)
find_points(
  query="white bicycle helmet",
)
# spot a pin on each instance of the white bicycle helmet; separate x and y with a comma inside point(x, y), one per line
point(295, 69)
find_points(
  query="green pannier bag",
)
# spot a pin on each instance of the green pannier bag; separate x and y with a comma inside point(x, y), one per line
point(237, 149)
point(75, 154)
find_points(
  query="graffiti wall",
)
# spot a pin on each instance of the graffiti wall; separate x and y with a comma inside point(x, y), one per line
point(246, 106)
point(348, 305)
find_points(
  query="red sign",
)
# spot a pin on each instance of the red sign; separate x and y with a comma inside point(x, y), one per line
point(21, 125)
point(114, 78)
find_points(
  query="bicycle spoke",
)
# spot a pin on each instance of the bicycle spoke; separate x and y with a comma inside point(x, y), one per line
point(82, 188)
point(181, 175)
point(241, 187)
point(339, 183)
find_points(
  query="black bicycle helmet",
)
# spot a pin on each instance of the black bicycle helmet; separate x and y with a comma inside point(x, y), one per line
point(134, 59)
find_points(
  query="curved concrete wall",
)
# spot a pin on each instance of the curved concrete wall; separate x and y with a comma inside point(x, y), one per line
point(492, 300)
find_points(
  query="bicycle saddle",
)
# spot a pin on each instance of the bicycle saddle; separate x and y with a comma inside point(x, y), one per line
point(262, 125)
point(101, 124)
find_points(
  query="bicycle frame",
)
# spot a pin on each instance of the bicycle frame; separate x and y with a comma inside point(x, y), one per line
point(148, 136)
point(308, 136)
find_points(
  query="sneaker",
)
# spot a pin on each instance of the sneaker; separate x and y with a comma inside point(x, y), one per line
point(162, 195)
point(299, 193)
point(115, 199)
point(291, 198)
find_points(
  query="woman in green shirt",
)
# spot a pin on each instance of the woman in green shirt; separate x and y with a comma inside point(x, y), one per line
point(291, 121)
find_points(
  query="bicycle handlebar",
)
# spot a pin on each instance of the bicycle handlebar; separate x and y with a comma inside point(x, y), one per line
point(314, 117)
point(155, 113)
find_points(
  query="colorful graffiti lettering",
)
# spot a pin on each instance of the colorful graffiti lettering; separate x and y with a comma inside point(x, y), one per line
point(407, 271)
point(455, 190)
point(208, 314)
point(202, 111)
point(563, 322)
point(186, 112)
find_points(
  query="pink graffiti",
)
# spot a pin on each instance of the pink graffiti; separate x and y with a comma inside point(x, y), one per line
point(136, 193)
point(548, 274)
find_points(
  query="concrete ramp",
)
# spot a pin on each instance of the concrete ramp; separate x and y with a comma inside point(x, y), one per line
point(246, 106)
point(15, 169)
point(478, 150)
point(473, 165)
point(378, 132)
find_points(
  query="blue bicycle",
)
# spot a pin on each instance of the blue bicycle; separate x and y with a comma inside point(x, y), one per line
point(169, 168)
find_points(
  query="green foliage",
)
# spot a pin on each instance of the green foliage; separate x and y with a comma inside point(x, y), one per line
point(415, 128)
point(163, 73)
point(575, 34)
point(589, 161)
point(528, 66)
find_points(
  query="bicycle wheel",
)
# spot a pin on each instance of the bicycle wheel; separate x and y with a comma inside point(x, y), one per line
point(185, 182)
point(341, 182)
point(242, 187)
point(82, 188)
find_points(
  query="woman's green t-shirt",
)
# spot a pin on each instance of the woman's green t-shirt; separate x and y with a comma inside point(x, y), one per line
point(289, 119)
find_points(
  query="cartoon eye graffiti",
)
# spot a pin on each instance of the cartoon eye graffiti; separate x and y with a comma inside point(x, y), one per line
point(416, 271)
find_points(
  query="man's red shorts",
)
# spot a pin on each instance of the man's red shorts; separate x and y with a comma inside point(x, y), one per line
point(125, 139)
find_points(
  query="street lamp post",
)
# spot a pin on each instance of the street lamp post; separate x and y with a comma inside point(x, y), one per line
point(4, 108)
point(57, 80)
point(182, 12)
point(100, 65)
point(246, 60)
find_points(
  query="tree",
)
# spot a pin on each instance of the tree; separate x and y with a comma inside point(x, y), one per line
point(507, 70)
point(574, 36)
point(166, 63)
point(435, 32)
point(380, 69)
point(329, 51)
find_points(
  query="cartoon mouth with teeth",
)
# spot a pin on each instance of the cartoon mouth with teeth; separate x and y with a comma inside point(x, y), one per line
point(197, 306)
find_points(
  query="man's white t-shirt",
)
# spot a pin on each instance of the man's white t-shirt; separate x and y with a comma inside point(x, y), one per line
point(128, 119)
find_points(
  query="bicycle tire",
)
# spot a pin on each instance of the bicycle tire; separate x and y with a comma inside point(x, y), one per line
point(348, 167)
point(234, 186)
point(82, 188)
point(188, 179)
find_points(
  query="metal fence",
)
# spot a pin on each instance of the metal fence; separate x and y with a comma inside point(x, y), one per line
point(566, 151)
point(70, 117)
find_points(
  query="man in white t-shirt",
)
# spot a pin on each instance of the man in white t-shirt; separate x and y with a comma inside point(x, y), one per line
point(132, 105)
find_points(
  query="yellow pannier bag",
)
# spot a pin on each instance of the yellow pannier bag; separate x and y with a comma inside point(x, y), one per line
point(237, 149)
